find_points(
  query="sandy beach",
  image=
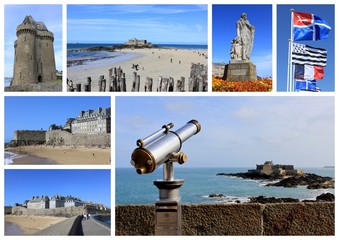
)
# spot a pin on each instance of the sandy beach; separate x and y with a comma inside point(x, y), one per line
point(61, 155)
point(29, 225)
point(152, 63)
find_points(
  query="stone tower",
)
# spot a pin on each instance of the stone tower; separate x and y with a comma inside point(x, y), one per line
point(34, 54)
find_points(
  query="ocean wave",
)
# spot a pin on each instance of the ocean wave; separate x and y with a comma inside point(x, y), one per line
point(9, 156)
point(226, 199)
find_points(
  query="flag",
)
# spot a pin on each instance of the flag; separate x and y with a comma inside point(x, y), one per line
point(307, 55)
point(309, 85)
point(308, 72)
point(307, 26)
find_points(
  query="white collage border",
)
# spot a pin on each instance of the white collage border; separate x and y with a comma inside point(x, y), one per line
point(64, 4)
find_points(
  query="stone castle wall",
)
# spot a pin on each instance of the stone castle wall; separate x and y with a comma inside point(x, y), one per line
point(234, 219)
point(60, 138)
point(65, 211)
point(65, 138)
point(29, 137)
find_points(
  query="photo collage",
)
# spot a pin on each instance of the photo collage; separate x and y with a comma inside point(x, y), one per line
point(213, 118)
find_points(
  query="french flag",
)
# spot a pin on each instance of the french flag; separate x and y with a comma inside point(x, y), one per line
point(307, 26)
point(308, 72)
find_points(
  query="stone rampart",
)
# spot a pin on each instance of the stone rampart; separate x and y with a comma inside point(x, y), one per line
point(234, 219)
point(29, 137)
point(59, 137)
point(65, 211)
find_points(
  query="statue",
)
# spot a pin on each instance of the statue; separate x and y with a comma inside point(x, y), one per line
point(240, 67)
point(245, 37)
point(236, 50)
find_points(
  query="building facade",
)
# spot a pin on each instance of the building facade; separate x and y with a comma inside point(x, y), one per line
point(92, 122)
point(57, 201)
point(34, 60)
point(38, 202)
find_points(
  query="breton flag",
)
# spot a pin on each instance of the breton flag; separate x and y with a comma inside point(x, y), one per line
point(307, 26)
point(309, 85)
point(305, 55)
point(308, 72)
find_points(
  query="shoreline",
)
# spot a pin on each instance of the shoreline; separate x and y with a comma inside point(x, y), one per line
point(29, 224)
point(60, 155)
point(152, 62)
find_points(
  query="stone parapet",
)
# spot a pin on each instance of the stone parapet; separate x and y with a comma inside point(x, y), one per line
point(300, 219)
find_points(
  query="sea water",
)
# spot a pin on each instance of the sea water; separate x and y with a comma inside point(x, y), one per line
point(9, 156)
point(199, 183)
point(78, 51)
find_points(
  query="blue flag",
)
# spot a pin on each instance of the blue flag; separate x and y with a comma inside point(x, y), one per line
point(308, 85)
point(307, 26)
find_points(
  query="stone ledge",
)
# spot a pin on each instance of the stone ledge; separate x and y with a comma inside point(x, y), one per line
point(300, 219)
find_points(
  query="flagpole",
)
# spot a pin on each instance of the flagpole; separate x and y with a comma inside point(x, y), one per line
point(288, 87)
point(290, 77)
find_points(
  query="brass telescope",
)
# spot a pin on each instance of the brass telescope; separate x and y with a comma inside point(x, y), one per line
point(162, 146)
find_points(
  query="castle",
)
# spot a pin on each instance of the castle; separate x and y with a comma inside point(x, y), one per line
point(268, 168)
point(138, 43)
point(89, 128)
point(34, 60)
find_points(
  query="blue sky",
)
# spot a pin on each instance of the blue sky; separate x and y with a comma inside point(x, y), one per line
point(51, 15)
point(155, 23)
point(283, 34)
point(224, 19)
point(236, 131)
point(88, 185)
point(34, 113)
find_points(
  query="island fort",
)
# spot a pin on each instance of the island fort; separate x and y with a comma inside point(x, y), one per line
point(270, 169)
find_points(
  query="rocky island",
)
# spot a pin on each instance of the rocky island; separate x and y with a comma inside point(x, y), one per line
point(287, 176)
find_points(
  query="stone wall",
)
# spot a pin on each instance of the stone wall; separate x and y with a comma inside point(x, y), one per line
point(65, 138)
point(234, 219)
point(67, 212)
point(29, 137)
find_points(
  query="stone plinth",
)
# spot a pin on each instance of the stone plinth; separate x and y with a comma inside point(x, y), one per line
point(240, 71)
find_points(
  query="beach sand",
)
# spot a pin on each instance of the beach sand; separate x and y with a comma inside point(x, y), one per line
point(61, 155)
point(30, 224)
point(152, 63)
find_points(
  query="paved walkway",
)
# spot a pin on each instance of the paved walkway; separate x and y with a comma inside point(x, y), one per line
point(61, 228)
point(91, 227)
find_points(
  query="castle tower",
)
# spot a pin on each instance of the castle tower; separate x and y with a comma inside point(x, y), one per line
point(34, 54)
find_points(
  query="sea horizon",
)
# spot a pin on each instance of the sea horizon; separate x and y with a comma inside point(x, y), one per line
point(190, 46)
point(199, 183)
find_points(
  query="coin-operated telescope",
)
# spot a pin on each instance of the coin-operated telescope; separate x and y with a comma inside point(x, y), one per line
point(163, 148)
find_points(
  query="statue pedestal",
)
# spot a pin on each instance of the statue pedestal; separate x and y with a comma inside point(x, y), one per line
point(239, 70)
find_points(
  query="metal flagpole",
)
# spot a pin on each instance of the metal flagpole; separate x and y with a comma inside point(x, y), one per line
point(290, 59)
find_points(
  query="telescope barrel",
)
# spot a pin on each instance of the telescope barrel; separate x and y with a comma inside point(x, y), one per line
point(154, 136)
point(159, 146)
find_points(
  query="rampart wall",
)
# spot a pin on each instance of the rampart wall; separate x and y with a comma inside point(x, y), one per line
point(65, 211)
point(59, 137)
point(30, 136)
point(234, 219)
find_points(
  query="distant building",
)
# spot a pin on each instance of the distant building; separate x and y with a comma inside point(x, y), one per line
point(73, 202)
point(138, 43)
point(92, 122)
point(38, 202)
point(268, 168)
point(56, 201)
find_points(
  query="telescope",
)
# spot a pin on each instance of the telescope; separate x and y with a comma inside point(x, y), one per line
point(162, 146)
